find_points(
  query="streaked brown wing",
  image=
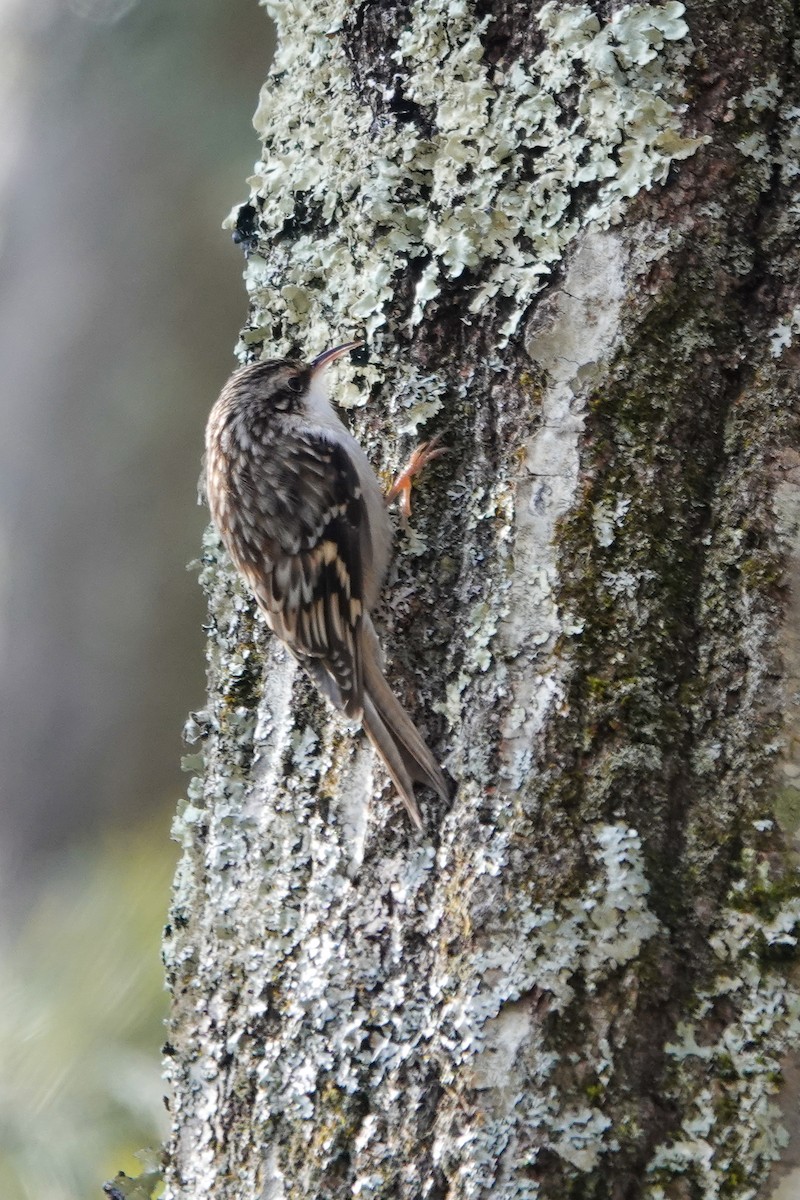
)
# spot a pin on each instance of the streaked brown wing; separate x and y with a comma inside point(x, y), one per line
point(303, 559)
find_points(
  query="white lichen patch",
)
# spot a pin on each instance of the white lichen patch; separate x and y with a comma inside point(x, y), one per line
point(727, 1084)
point(772, 145)
point(608, 518)
point(617, 905)
point(762, 97)
point(495, 181)
point(624, 133)
point(788, 158)
point(759, 99)
point(495, 186)
point(786, 503)
point(570, 341)
point(489, 1027)
point(783, 334)
point(352, 1017)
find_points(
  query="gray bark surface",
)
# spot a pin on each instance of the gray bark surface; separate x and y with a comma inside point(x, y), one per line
point(570, 236)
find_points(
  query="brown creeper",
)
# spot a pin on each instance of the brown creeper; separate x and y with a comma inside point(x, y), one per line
point(303, 518)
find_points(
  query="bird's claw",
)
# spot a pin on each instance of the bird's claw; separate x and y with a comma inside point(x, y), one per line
point(426, 452)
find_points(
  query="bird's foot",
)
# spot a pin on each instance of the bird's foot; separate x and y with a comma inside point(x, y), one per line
point(426, 452)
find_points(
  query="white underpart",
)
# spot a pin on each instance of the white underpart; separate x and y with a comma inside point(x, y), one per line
point(318, 404)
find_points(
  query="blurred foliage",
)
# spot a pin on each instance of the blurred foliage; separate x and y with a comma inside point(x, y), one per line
point(127, 139)
point(120, 305)
point(81, 1010)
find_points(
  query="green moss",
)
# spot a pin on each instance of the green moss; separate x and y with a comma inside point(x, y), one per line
point(325, 1147)
point(725, 1069)
point(764, 891)
point(337, 1117)
point(764, 570)
point(735, 1181)
point(633, 550)
point(148, 1184)
point(627, 1130)
point(726, 1107)
point(595, 1187)
point(598, 688)
point(534, 383)
point(244, 690)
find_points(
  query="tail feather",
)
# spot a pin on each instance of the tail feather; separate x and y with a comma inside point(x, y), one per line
point(389, 751)
point(395, 736)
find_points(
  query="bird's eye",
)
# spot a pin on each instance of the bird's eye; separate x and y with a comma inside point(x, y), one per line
point(295, 383)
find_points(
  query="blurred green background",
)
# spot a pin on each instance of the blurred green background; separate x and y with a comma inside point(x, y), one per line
point(125, 139)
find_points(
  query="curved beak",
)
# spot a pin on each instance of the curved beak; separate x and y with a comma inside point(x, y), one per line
point(328, 356)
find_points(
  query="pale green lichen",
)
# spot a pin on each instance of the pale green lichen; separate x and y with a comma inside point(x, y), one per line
point(789, 156)
point(726, 1085)
point(784, 332)
point(379, 195)
point(561, 145)
point(624, 132)
point(763, 97)
point(483, 1019)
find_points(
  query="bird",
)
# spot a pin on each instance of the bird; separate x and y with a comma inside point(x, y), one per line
point(305, 522)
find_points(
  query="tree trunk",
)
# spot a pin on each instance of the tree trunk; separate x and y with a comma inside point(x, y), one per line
point(569, 235)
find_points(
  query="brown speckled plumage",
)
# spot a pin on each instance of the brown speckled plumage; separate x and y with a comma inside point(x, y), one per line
point(303, 518)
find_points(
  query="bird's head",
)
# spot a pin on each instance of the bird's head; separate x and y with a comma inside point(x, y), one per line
point(283, 384)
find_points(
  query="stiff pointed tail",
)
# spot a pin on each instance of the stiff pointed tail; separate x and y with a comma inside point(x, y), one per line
point(397, 739)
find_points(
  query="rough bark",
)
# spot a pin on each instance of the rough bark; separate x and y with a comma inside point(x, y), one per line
point(570, 235)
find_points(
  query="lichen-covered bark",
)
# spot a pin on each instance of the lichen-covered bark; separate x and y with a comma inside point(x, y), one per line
point(570, 235)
